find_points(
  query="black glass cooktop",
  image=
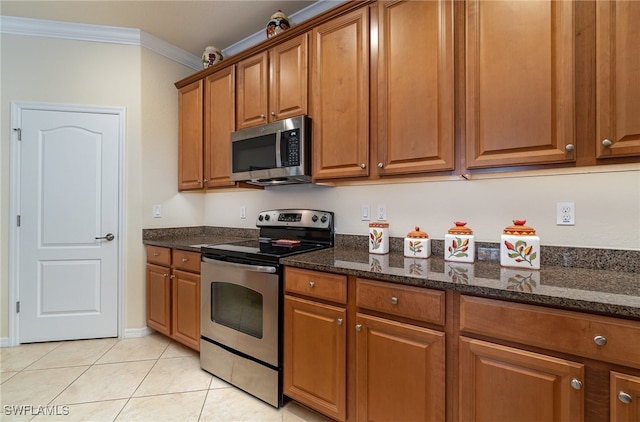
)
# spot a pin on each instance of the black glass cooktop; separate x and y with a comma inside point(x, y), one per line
point(269, 251)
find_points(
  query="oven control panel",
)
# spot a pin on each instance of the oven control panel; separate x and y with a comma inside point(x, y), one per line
point(295, 218)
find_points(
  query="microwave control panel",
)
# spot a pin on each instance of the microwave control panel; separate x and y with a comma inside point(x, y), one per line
point(290, 148)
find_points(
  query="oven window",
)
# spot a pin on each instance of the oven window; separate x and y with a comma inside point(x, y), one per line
point(237, 307)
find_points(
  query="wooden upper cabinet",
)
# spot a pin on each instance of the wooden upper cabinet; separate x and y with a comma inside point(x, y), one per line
point(415, 87)
point(190, 136)
point(340, 96)
point(617, 78)
point(219, 122)
point(519, 83)
point(289, 70)
point(273, 85)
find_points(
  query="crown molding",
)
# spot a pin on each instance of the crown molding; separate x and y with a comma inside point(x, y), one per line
point(97, 33)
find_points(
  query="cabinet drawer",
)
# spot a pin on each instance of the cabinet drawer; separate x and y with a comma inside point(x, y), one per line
point(159, 255)
point(602, 338)
point(411, 302)
point(185, 260)
point(316, 284)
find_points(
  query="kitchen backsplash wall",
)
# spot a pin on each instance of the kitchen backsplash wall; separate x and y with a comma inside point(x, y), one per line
point(607, 206)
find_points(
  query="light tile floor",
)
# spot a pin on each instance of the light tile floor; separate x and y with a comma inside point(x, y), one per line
point(144, 379)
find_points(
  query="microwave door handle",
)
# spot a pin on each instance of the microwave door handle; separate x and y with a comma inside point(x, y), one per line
point(278, 152)
point(247, 267)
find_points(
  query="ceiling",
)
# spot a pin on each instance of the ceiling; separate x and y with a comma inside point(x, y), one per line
point(190, 25)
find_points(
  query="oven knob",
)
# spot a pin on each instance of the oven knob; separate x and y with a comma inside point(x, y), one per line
point(314, 218)
point(266, 217)
point(324, 219)
point(260, 217)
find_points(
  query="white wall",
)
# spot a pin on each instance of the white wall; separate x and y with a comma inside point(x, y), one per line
point(607, 201)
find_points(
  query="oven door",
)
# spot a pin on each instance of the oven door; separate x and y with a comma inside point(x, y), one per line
point(240, 308)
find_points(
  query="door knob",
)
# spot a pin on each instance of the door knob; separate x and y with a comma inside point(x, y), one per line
point(108, 237)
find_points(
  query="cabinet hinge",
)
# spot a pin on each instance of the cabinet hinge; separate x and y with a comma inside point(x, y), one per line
point(17, 307)
point(19, 133)
point(18, 221)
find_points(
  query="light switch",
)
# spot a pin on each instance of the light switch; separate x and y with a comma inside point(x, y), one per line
point(157, 211)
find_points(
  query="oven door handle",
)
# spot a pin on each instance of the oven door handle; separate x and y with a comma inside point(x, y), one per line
point(247, 267)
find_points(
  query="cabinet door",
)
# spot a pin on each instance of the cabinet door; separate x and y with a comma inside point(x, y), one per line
point(288, 64)
point(315, 355)
point(617, 73)
point(340, 101)
point(520, 82)
point(415, 88)
point(219, 122)
point(186, 308)
point(159, 298)
point(252, 94)
point(625, 397)
point(499, 383)
point(400, 371)
point(190, 136)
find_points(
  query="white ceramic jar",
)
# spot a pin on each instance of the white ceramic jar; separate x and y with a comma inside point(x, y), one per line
point(417, 244)
point(520, 247)
point(458, 243)
point(379, 238)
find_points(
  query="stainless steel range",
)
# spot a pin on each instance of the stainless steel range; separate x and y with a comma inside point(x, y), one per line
point(242, 295)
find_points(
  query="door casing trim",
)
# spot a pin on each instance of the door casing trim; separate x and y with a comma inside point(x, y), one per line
point(14, 194)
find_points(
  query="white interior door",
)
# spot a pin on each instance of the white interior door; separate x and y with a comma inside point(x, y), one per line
point(68, 207)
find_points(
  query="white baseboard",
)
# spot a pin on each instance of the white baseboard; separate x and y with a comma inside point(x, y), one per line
point(137, 332)
point(4, 341)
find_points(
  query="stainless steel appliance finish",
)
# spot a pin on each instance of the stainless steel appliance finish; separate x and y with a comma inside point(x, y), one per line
point(276, 153)
point(242, 295)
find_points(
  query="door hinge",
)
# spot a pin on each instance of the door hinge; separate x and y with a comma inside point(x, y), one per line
point(17, 307)
point(18, 221)
point(19, 133)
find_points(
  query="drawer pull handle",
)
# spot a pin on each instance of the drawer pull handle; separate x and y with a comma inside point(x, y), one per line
point(339, 321)
point(312, 283)
point(576, 384)
point(606, 143)
point(624, 397)
point(358, 327)
point(184, 259)
point(394, 300)
point(600, 340)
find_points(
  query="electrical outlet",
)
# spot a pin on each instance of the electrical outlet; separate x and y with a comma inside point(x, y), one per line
point(566, 214)
point(382, 212)
point(365, 212)
point(243, 212)
point(157, 211)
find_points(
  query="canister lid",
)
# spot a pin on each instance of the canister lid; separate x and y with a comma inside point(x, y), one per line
point(417, 234)
point(519, 229)
point(379, 225)
point(460, 228)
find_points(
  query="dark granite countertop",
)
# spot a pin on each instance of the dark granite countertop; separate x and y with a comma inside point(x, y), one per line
point(192, 238)
point(608, 292)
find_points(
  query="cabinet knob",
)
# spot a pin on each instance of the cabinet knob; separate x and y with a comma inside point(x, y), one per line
point(363, 165)
point(358, 327)
point(394, 300)
point(172, 276)
point(339, 321)
point(600, 340)
point(262, 116)
point(312, 283)
point(206, 180)
point(606, 143)
point(156, 254)
point(273, 113)
point(570, 147)
point(165, 275)
point(185, 259)
point(380, 165)
point(624, 397)
point(576, 384)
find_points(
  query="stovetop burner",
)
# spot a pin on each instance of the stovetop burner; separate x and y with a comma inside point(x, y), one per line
point(282, 233)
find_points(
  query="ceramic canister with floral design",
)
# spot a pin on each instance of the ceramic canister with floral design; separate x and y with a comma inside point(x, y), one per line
point(379, 238)
point(211, 56)
point(458, 243)
point(417, 244)
point(279, 22)
point(520, 247)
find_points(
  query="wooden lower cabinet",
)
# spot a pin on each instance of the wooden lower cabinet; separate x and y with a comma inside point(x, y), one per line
point(400, 371)
point(499, 383)
point(173, 294)
point(315, 355)
point(625, 397)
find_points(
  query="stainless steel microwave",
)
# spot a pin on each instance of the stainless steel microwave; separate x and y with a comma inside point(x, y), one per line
point(276, 153)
